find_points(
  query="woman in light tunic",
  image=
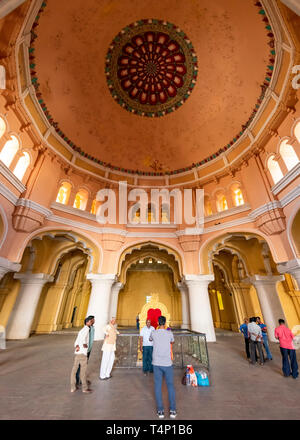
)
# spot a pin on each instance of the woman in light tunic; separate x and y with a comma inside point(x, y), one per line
point(108, 349)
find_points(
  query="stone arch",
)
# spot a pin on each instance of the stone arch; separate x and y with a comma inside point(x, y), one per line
point(147, 270)
point(85, 241)
point(129, 248)
point(66, 293)
point(210, 244)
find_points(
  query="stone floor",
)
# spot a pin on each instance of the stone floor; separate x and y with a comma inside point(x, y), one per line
point(34, 384)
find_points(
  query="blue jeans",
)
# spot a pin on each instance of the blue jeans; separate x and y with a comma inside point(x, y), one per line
point(289, 366)
point(266, 345)
point(147, 359)
point(159, 373)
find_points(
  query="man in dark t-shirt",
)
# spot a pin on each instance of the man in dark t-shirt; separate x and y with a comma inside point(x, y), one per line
point(163, 366)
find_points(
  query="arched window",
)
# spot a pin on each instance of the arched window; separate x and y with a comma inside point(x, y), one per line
point(136, 216)
point(95, 206)
point(297, 132)
point(275, 170)
point(288, 154)
point(207, 206)
point(22, 165)
point(237, 195)
point(221, 202)
point(151, 213)
point(64, 193)
point(81, 199)
point(9, 151)
point(2, 127)
point(165, 213)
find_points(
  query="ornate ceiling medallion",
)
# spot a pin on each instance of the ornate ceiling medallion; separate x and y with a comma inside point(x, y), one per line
point(151, 68)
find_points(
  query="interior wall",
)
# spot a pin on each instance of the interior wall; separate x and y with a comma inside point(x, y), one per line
point(140, 284)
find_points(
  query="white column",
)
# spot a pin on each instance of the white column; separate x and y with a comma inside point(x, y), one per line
point(114, 299)
point(293, 268)
point(23, 312)
point(200, 310)
point(99, 301)
point(8, 266)
point(269, 301)
point(184, 305)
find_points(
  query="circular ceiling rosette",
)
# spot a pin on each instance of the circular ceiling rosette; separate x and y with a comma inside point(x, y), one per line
point(151, 68)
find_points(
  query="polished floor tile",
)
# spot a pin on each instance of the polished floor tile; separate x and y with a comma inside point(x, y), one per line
point(35, 384)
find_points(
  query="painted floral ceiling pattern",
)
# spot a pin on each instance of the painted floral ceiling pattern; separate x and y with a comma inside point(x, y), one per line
point(151, 68)
point(71, 69)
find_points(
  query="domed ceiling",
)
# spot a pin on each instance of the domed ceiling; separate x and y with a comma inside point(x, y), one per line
point(150, 85)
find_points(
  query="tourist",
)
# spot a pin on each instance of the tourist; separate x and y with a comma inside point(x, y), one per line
point(81, 348)
point(255, 334)
point(287, 349)
point(146, 347)
point(162, 367)
point(108, 349)
point(137, 321)
point(90, 320)
point(265, 338)
point(244, 330)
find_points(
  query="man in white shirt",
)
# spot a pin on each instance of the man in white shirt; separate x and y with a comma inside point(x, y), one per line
point(91, 340)
point(146, 347)
point(81, 350)
point(255, 334)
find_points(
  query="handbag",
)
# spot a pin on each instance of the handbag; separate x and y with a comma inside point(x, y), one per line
point(202, 379)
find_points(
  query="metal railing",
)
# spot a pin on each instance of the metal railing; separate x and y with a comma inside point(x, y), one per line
point(189, 348)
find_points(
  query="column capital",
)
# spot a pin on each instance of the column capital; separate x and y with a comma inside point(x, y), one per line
point(182, 285)
point(8, 266)
point(102, 278)
point(33, 278)
point(264, 279)
point(289, 266)
point(198, 279)
point(117, 286)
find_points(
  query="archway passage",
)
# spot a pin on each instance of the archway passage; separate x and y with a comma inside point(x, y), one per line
point(146, 271)
point(50, 292)
point(247, 283)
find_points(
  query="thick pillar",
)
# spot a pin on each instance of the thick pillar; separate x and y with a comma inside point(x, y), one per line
point(22, 316)
point(100, 300)
point(269, 300)
point(8, 266)
point(184, 305)
point(200, 311)
point(114, 299)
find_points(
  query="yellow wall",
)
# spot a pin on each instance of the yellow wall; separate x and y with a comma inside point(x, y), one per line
point(9, 289)
point(140, 284)
point(290, 301)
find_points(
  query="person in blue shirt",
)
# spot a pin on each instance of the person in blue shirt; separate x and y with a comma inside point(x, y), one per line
point(244, 330)
point(265, 338)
